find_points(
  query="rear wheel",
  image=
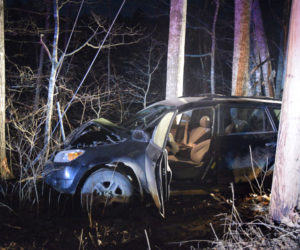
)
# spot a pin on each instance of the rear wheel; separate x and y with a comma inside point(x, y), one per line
point(106, 186)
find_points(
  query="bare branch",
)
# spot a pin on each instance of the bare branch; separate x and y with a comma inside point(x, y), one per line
point(83, 45)
point(45, 46)
point(115, 45)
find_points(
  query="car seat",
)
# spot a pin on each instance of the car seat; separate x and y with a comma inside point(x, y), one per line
point(199, 139)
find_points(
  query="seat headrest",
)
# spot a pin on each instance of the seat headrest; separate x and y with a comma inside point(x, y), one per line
point(205, 121)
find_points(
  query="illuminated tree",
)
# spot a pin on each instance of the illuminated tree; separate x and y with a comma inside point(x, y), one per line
point(286, 177)
point(176, 44)
point(5, 172)
point(264, 74)
point(213, 49)
point(240, 64)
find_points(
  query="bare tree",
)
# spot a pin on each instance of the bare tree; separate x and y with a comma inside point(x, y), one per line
point(56, 60)
point(286, 178)
point(176, 45)
point(54, 68)
point(265, 76)
point(280, 69)
point(281, 65)
point(213, 48)
point(5, 172)
point(41, 60)
point(141, 70)
point(240, 64)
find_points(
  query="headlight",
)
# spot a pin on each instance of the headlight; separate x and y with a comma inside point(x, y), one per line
point(67, 156)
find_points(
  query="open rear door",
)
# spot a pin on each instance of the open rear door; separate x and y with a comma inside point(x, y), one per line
point(155, 161)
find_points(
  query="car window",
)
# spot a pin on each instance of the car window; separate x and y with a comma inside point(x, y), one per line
point(245, 120)
point(275, 113)
point(187, 121)
point(162, 130)
point(146, 117)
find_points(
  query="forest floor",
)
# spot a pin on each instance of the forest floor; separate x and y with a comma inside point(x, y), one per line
point(191, 222)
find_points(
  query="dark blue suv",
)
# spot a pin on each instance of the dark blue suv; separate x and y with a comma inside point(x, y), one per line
point(189, 144)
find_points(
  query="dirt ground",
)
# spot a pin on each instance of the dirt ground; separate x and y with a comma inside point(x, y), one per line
point(59, 222)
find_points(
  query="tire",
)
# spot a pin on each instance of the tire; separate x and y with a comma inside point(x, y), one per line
point(106, 186)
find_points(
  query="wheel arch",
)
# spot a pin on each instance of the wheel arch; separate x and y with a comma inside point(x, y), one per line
point(119, 167)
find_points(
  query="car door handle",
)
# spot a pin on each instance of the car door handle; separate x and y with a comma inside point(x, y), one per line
point(270, 144)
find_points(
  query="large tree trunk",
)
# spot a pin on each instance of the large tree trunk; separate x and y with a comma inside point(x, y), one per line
point(175, 64)
point(5, 172)
point(286, 178)
point(240, 64)
point(262, 55)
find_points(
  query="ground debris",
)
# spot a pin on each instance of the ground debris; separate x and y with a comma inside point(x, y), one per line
point(188, 225)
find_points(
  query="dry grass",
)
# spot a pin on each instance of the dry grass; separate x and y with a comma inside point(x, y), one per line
point(259, 233)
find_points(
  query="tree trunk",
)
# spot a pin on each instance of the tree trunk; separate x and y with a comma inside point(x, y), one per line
point(175, 64)
point(41, 61)
point(5, 172)
point(262, 51)
point(280, 69)
point(240, 64)
point(54, 67)
point(286, 177)
point(213, 49)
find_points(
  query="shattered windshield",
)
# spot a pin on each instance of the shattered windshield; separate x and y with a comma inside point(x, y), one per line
point(146, 117)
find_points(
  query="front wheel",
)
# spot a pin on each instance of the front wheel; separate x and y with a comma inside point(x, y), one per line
point(106, 186)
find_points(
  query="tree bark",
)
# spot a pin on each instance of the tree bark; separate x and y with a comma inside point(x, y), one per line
point(54, 67)
point(262, 51)
point(286, 177)
point(213, 49)
point(41, 61)
point(280, 69)
point(5, 171)
point(240, 64)
point(176, 44)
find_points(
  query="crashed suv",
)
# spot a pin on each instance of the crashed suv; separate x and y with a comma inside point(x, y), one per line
point(201, 143)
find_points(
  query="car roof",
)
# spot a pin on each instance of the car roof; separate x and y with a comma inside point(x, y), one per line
point(183, 102)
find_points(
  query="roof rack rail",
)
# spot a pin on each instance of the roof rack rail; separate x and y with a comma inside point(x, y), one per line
point(204, 95)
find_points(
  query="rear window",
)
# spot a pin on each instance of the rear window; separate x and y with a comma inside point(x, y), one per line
point(245, 120)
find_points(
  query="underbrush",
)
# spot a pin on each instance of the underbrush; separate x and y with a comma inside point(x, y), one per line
point(259, 233)
point(248, 226)
point(26, 150)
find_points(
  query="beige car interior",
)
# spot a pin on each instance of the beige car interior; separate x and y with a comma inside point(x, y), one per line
point(195, 143)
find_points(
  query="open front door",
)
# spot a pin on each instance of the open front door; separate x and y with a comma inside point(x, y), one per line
point(156, 161)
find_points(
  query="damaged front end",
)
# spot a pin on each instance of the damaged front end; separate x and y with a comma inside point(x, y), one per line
point(64, 169)
point(104, 161)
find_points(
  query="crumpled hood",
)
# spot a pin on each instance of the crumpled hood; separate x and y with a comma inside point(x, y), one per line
point(94, 133)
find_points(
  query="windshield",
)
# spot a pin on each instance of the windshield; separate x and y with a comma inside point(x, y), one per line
point(146, 117)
